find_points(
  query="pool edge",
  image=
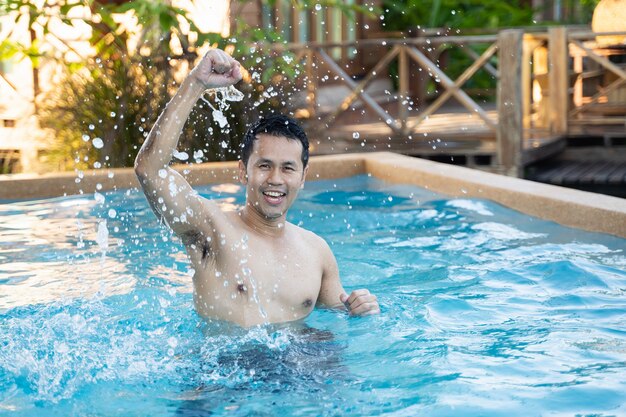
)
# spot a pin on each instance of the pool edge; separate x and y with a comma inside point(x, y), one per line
point(566, 206)
point(574, 208)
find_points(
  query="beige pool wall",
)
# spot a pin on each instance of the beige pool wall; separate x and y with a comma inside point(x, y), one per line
point(579, 209)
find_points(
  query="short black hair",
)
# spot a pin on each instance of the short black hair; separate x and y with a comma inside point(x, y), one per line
point(275, 125)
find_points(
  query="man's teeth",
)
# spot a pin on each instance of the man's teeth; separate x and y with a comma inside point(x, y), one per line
point(273, 193)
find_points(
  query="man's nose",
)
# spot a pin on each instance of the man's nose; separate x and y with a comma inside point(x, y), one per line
point(275, 177)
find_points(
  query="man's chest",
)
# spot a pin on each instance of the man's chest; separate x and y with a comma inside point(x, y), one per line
point(290, 269)
point(259, 281)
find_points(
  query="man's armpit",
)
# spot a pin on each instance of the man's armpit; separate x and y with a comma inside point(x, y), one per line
point(197, 240)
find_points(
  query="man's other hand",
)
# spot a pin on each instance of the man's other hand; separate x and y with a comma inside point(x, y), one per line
point(360, 303)
point(217, 69)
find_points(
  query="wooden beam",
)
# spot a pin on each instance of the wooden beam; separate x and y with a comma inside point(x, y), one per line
point(460, 95)
point(311, 98)
point(474, 55)
point(367, 99)
point(403, 86)
point(510, 131)
point(541, 97)
point(601, 60)
point(363, 84)
point(467, 74)
point(558, 84)
point(603, 92)
point(528, 45)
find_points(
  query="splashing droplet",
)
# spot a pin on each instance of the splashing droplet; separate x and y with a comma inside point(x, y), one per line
point(220, 118)
point(102, 236)
point(183, 156)
point(97, 143)
point(230, 93)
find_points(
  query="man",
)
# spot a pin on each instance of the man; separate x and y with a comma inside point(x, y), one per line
point(251, 267)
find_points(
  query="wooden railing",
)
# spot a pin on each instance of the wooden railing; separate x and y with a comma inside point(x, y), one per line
point(572, 74)
point(315, 55)
point(506, 129)
point(539, 79)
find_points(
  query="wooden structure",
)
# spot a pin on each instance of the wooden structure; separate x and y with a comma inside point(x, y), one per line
point(607, 177)
point(541, 79)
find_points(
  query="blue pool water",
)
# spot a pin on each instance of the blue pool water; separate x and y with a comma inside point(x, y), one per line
point(486, 312)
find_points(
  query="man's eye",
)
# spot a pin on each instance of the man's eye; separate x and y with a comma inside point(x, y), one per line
point(264, 166)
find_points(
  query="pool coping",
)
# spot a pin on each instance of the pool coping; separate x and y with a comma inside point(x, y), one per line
point(569, 207)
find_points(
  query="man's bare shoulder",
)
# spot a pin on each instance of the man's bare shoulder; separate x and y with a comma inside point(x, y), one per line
point(207, 211)
point(204, 219)
point(311, 239)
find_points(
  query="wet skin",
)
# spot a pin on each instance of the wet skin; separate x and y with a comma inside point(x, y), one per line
point(252, 266)
point(257, 267)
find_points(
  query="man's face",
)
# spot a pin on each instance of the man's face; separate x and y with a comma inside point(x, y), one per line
point(273, 176)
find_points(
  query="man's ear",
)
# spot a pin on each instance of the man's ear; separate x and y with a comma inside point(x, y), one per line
point(306, 170)
point(243, 175)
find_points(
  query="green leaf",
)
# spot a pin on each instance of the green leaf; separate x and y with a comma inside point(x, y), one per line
point(106, 17)
point(9, 49)
point(125, 7)
point(167, 21)
point(65, 8)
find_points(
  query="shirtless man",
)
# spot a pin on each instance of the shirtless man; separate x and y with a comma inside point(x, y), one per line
point(252, 266)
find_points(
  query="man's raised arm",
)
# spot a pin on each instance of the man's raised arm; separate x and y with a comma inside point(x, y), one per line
point(169, 195)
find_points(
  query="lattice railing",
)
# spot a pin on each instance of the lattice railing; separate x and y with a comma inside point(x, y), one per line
point(541, 83)
point(575, 82)
point(495, 54)
point(402, 52)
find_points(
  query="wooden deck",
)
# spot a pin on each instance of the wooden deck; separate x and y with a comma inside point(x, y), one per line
point(581, 172)
point(549, 87)
point(451, 135)
point(607, 177)
point(454, 136)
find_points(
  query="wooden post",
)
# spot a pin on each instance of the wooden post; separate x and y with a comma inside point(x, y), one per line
point(558, 80)
point(403, 99)
point(418, 78)
point(311, 98)
point(541, 97)
point(528, 44)
point(578, 84)
point(510, 132)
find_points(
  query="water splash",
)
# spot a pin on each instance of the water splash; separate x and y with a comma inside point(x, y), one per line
point(223, 95)
point(102, 237)
point(230, 93)
point(97, 143)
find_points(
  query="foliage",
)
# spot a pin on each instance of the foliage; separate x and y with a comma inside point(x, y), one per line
point(454, 16)
point(485, 14)
point(112, 100)
point(581, 11)
point(130, 80)
point(117, 93)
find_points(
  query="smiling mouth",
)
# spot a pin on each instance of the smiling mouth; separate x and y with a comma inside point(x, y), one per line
point(274, 194)
point(274, 197)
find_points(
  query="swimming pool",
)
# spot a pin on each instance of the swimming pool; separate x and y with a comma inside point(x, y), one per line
point(485, 312)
